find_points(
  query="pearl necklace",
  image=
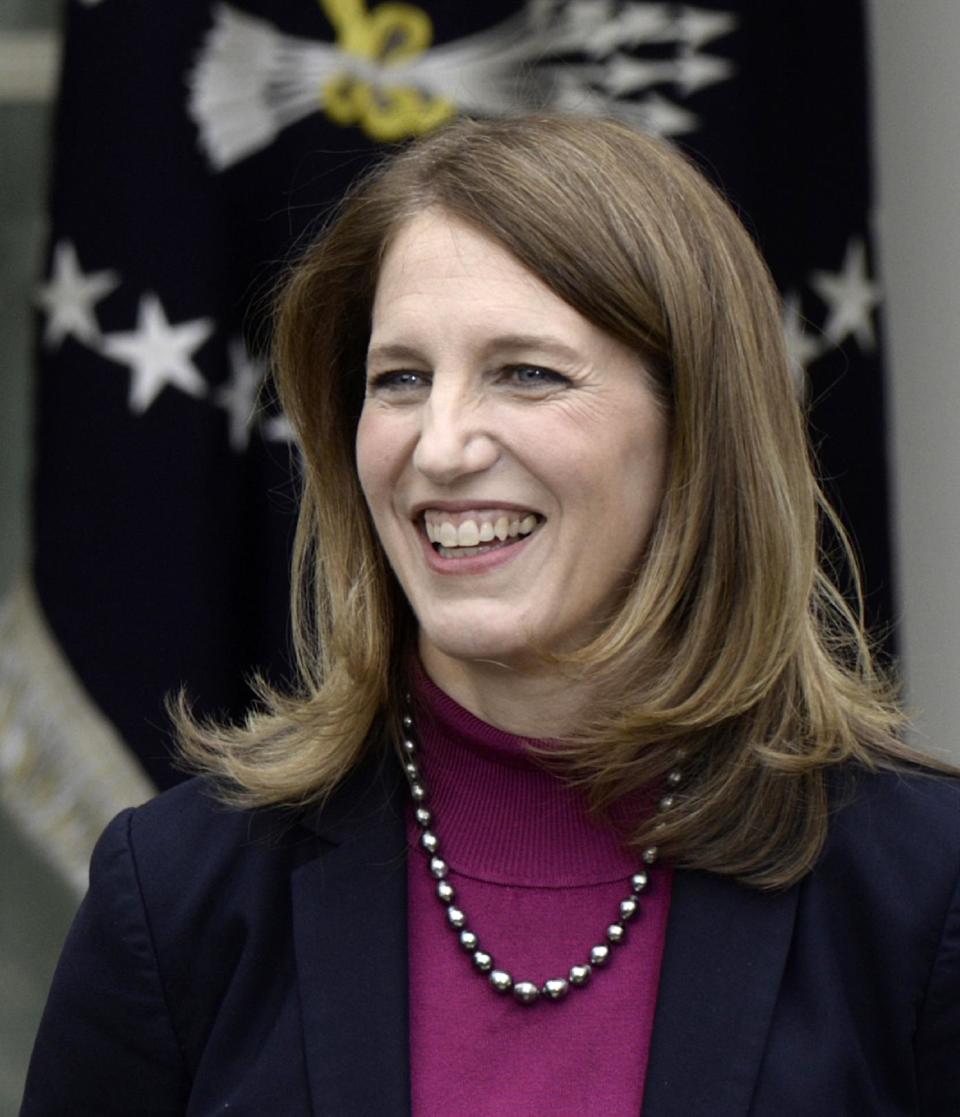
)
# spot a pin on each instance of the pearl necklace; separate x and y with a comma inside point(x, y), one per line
point(526, 992)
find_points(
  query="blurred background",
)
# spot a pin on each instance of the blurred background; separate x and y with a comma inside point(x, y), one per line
point(897, 321)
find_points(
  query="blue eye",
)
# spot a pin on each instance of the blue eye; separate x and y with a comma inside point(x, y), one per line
point(398, 380)
point(535, 376)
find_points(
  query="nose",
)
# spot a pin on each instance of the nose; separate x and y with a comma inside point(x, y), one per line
point(455, 440)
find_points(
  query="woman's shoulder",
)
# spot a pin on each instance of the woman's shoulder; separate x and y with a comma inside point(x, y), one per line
point(206, 889)
point(894, 836)
point(185, 852)
point(193, 820)
point(189, 838)
point(193, 808)
point(909, 799)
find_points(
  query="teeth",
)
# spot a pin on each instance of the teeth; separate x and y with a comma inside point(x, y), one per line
point(470, 533)
point(448, 535)
point(467, 552)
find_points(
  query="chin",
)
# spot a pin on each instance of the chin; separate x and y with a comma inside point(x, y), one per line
point(480, 643)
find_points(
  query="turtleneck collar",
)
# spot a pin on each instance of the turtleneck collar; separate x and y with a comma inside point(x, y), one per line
point(500, 814)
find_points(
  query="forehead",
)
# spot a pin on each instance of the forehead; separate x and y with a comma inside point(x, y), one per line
point(437, 260)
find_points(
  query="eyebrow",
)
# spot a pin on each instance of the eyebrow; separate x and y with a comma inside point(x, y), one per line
point(502, 343)
point(393, 353)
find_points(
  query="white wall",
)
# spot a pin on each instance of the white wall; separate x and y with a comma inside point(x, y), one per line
point(916, 71)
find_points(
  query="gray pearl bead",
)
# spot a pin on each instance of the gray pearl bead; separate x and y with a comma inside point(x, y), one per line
point(409, 747)
point(424, 816)
point(674, 777)
point(456, 918)
point(418, 792)
point(639, 881)
point(650, 854)
point(599, 955)
point(407, 720)
point(667, 802)
point(628, 908)
point(445, 891)
point(555, 988)
point(413, 772)
point(483, 961)
point(501, 981)
point(579, 975)
point(526, 992)
point(439, 867)
point(429, 841)
point(469, 941)
point(616, 932)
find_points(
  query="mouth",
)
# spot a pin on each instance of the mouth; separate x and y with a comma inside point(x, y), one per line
point(461, 535)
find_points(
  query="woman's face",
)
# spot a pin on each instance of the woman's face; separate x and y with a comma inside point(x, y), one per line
point(512, 454)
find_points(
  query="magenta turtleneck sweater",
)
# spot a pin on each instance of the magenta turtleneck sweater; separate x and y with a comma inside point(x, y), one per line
point(539, 882)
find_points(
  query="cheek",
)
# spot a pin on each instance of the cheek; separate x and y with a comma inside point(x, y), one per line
point(643, 497)
point(635, 476)
point(375, 455)
point(363, 446)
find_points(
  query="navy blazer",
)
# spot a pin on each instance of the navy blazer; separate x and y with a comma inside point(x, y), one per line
point(255, 963)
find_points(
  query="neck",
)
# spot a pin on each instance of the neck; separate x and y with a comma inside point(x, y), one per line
point(526, 702)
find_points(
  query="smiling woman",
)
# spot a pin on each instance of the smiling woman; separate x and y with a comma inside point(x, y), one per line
point(568, 662)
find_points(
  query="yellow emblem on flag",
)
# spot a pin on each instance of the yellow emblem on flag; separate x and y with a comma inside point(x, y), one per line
point(386, 35)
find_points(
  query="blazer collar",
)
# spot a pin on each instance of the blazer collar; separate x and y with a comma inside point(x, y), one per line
point(350, 932)
point(724, 957)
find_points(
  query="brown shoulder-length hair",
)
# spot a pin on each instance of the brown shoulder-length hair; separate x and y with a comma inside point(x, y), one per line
point(732, 646)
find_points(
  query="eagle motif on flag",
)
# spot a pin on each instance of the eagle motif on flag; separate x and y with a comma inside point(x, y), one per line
point(383, 74)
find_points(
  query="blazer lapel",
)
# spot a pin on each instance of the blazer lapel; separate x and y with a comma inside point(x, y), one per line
point(350, 932)
point(725, 953)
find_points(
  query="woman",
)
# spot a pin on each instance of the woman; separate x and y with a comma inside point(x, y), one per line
point(558, 552)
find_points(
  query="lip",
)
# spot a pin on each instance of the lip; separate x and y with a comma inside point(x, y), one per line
point(477, 504)
point(474, 564)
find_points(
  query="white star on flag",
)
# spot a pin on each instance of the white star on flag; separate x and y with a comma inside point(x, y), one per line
point(803, 347)
point(850, 296)
point(159, 354)
point(69, 296)
point(238, 397)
